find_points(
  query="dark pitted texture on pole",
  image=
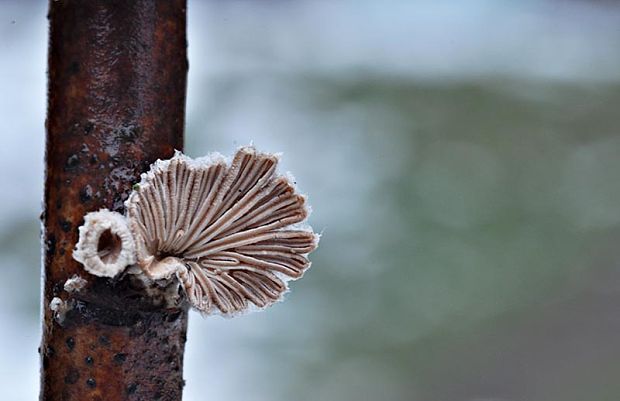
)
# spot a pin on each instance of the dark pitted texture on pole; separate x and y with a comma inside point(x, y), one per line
point(117, 81)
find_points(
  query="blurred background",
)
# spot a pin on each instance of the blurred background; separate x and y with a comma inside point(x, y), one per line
point(463, 163)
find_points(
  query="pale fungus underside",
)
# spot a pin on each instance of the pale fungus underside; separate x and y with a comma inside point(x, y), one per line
point(229, 233)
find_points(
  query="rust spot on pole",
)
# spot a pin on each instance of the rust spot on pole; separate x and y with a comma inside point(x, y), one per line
point(116, 100)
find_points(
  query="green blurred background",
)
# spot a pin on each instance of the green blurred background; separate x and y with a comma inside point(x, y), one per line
point(463, 163)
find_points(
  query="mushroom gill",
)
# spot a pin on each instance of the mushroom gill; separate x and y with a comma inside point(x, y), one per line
point(223, 230)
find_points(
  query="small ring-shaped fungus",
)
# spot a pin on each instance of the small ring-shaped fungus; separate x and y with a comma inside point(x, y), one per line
point(228, 232)
point(106, 246)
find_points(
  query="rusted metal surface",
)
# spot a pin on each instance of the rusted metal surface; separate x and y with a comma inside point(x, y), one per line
point(116, 95)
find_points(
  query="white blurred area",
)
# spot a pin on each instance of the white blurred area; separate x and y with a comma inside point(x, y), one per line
point(393, 192)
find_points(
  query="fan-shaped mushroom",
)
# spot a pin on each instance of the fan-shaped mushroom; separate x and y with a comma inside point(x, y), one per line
point(224, 231)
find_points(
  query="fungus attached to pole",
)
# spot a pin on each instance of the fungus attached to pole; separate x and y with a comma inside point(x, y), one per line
point(154, 230)
point(116, 99)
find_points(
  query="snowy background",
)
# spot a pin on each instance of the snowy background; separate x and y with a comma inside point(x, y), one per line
point(462, 159)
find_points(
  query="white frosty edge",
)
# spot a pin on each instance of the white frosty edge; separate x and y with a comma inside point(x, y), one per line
point(86, 252)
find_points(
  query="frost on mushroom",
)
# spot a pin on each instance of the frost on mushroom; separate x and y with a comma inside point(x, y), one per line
point(222, 230)
point(105, 245)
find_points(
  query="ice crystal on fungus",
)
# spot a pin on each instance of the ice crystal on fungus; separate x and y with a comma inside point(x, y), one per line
point(228, 232)
point(106, 245)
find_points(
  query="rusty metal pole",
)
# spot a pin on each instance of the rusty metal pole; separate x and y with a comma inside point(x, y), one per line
point(116, 102)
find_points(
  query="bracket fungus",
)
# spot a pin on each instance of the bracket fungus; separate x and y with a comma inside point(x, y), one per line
point(229, 233)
